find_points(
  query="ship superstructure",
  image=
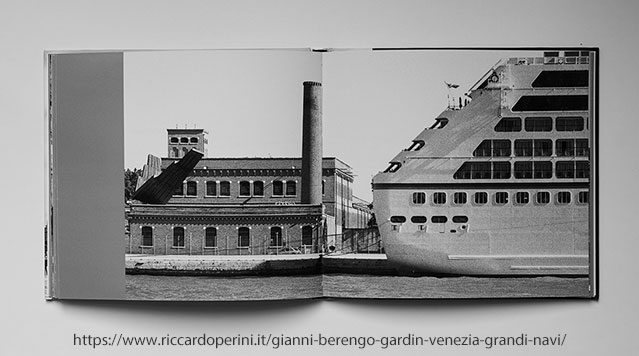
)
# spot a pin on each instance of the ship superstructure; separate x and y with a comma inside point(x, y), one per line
point(500, 184)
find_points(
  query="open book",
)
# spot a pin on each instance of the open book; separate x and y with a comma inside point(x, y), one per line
point(307, 173)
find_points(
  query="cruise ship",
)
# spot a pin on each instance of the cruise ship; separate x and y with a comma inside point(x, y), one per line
point(500, 184)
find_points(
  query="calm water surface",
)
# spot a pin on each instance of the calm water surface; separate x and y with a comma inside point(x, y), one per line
point(143, 287)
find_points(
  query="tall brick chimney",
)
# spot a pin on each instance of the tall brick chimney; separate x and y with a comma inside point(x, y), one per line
point(312, 144)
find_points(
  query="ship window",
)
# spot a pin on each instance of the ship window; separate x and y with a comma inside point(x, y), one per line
point(398, 219)
point(484, 149)
point(191, 188)
point(581, 148)
point(440, 123)
point(522, 198)
point(565, 148)
point(225, 189)
point(501, 170)
point(563, 197)
point(245, 188)
point(583, 198)
point(536, 124)
point(307, 235)
point(561, 78)
point(147, 236)
point(419, 198)
point(291, 188)
point(243, 237)
point(276, 236)
point(416, 146)
point(184, 140)
point(418, 219)
point(179, 190)
point(459, 198)
point(523, 170)
point(552, 103)
point(393, 167)
point(460, 219)
point(439, 219)
point(565, 169)
point(542, 170)
point(523, 148)
point(508, 124)
point(278, 188)
point(178, 236)
point(481, 198)
point(501, 148)
point(570, 123)
point(439, 198)
point(473, 170)
point(211, 188)
point(193, 139)
point(174, 140)
point(501, 198)
point(210, 237)
point(582, 169)
point(258, 188)
point(542, 148)
point(543, 198)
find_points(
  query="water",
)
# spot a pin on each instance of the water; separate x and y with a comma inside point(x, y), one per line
point(143, 287)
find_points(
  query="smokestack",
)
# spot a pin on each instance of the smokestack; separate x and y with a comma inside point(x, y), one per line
point(312, 144)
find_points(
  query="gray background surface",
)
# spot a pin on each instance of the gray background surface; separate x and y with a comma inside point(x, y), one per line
point(33, 326)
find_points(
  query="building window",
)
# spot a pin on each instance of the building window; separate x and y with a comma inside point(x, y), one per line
point(174, 140)
point(179, 190)
point(419, 198)
point(501, 198)
point(278, 188)
point(184, 151)
point(245, 188)
point(542, 169)
point(570, 124)
point(398, 219)
point(184, 140)
point(563, 197)
point(523, 170)
point(175, 152)
point(460, 219)
point(323, 184)
point(276, 236)
point(438, 219)
point(211, 189)
point(536, 124)
point(147, 236)
point(194, 140)
point(543, 198)
point(291, 188)
point(178, 236)
point(258, 188)
point(307, 235)
point(210, 237)
point(583, 197)
point(418, 219)
point(459, 198)
point(225, 189)
point(481, 198)
point(508, 124)
point(191, 188)
point(565, 169)
point(439, 198)
point(243, 237)
point(501, 170)
point(501, 148)
point(522, 198)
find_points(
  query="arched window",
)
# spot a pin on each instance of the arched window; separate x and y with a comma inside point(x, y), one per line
point(175, 152)
point(178, 236)
point(225, 189)
point(258, 188)
point(278, 188)
point(245, 188)
point(194, 140)
point(184, 140)
point(210, 237)
point(307, 235)
point(147, 236)
point(291, 188)
point(184, 151)
point(211, 188)
point(276, 236)
point(243, 237)
point(191, 188)
point(179, 190)
point(174, 140)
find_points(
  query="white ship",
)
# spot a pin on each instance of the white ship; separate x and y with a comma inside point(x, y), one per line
point(501, 183)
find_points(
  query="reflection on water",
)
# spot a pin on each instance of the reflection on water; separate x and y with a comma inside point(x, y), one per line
point(142, 287)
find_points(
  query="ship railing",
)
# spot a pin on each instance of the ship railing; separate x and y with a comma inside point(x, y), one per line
point(549, 60)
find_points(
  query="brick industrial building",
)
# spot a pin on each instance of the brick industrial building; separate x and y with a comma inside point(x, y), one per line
point(234, 206)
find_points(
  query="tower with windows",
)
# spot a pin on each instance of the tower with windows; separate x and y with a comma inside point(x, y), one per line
point(180, 141)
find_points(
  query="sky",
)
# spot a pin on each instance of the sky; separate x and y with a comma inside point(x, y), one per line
point(250, 101)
